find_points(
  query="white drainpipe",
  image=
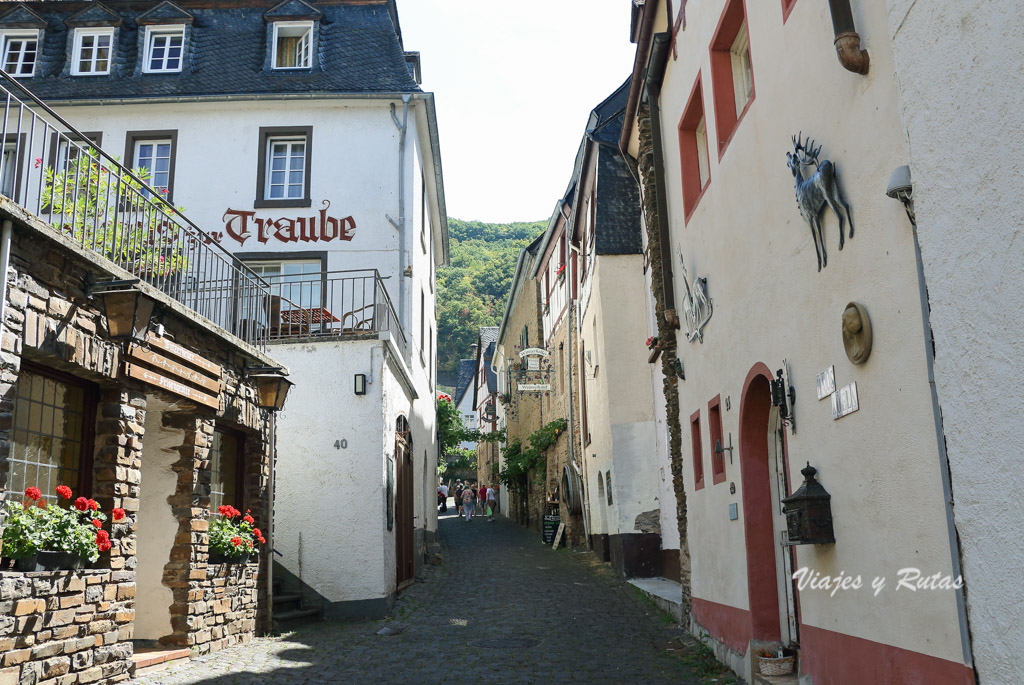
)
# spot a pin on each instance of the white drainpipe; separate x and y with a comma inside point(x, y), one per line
point(5, 262)
point(399, 223)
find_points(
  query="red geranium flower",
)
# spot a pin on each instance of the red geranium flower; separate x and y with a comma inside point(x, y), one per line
point(94, 505)
point(64, 491)
point(236, 541)
point(263, 540)
point(97, 523)
point(249, 519)
point(118, 514)
point(257, 532)
point(228, 510)
point(41, 503)
point(81, 503)
point(102, 535)
point(33, 493)
point(103, 543)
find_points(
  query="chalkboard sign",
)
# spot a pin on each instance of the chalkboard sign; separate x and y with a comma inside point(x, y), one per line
point(550, 527)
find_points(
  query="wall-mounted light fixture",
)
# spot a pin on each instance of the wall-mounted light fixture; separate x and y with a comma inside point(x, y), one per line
point(360, 386)
point(128, 311)
point(781, 392)
point(272, 386)
point(719, 449)
point(677, 368)
point(900, 188)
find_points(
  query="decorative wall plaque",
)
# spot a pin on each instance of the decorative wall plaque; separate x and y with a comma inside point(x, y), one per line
point(856, 333)
point(815, 191)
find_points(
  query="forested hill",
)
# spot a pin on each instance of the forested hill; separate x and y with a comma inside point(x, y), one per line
point(472, 291)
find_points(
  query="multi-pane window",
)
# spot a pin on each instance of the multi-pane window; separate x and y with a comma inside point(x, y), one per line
point(292, 45)
point(164, 49)
point(154, 158)
point(19, 52)
point(286, 168)
point(296, 302)
point(50, 443)
point(701, 135)
point(92, 51)
point(225, 470)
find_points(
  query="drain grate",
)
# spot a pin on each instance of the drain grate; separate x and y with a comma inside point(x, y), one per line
point(503, 642)
point(441, 621)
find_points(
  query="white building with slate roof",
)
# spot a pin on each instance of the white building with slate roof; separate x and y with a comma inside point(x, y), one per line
point(297, 134)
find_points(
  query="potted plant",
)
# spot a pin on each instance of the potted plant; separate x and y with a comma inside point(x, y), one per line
point(232, 536)
point(652, 342)
point(775, 662)
point(40, 536)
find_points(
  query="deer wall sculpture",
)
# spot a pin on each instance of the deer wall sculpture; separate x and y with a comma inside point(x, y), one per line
point(814, 191)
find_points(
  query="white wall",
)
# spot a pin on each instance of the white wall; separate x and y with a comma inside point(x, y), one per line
point(960, 86)
point(157, 525)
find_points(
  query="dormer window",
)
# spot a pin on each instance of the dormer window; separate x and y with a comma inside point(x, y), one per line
point(92, 52)
point(293, 41)
point(164, 46)
point(19, 52)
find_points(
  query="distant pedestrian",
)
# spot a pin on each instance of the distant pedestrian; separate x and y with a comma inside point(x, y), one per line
point(458, 498)
point(442, 491)
point(467, 503)
point(492, 503)
point(475, 499)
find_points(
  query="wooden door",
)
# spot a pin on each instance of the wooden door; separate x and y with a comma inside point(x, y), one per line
point(405, 567)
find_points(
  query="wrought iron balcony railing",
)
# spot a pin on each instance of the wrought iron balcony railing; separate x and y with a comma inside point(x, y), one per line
point(54, 171)
point(330, 303)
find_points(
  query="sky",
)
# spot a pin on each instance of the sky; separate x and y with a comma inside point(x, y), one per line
point(514, 83)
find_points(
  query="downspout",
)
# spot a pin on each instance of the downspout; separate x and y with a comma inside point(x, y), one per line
point(652, 86)
point(405, 270)
point(5, 262)
point(270, 522)
point(847, 39)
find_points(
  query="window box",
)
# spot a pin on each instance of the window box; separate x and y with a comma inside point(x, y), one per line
point(164, 49)
point(20, 49)
point(92, 52)
point(292, 45)
point(283, 172)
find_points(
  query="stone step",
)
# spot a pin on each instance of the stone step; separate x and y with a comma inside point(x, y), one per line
point(286, 598)
point(295, 615)
point(666, 594)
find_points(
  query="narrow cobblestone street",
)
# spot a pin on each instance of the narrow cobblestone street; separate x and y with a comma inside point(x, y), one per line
point(502, 609)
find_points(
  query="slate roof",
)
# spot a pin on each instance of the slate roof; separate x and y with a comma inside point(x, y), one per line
point(617, 217)
point(488, 339)
point(467, 369)
point(357, 49)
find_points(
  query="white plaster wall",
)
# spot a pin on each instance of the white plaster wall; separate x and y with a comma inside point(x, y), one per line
point(157, 525)
point(770, 303)
point(960, 84)
point(334, 497)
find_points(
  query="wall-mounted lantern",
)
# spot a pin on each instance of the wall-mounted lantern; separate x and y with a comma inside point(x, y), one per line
point(360, 387)
point(780, 394)
point(128, 311)
point(900, 188)
point(809, 512)
point(272, 386)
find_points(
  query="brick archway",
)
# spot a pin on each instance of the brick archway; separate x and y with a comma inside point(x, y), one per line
point(755, 472)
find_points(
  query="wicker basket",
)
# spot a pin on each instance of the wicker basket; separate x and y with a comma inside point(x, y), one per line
point(775, 665)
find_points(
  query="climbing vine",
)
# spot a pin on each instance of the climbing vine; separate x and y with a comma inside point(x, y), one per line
point(519, 459)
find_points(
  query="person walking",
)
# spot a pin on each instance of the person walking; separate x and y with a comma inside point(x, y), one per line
point(476, 499)
point(467, 503)
point(458, 497)
point(492, 503)
point(442, 491)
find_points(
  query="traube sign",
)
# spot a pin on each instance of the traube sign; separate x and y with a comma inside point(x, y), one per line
point(240, 225)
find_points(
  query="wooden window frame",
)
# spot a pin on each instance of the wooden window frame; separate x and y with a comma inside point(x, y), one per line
point(727, 119)
point(7, 35)
point(133, 138)
point(715, 436)
point(689, 150)
point(697, 447)
point(267, 134)
point(76, 52)
point(277, 26)
point(240, 467)
point(154, 31)
point(90, 408)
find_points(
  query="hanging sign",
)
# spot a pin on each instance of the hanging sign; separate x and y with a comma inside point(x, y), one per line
point(240, 225)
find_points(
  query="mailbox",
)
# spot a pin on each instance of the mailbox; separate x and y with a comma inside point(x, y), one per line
point(809, 512)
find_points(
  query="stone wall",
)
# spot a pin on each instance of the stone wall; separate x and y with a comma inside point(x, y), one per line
point(66, 626)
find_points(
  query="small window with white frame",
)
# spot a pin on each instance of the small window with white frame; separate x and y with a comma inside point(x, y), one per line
point(742, 75)
point(153, 157)
point(92, 53)
point(293, 45)
point(164, 49)
point(703, 170)
point(20, 49)
point(286, 168)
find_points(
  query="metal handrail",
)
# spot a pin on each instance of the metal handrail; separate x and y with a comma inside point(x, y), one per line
point(331, 303)
point(91, 198)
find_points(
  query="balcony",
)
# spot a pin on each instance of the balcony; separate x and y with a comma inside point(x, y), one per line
point(330, 304)
point(54, 172)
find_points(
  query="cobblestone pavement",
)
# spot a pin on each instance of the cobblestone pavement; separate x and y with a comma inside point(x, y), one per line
point(502, 609)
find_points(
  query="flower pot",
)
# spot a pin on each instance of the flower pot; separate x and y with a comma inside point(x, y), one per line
point(24, 564)
point(58, 561)
point(775, 665)
point(217, 558)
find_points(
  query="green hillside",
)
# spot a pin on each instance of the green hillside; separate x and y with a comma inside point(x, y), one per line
point(472, 291)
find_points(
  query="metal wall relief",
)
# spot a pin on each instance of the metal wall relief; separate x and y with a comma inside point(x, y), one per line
point(813, 192)
point(697, 308)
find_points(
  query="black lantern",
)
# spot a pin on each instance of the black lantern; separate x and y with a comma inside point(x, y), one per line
point(272, 388)
point(809, 512)
point(780, 395)
point(128, 310)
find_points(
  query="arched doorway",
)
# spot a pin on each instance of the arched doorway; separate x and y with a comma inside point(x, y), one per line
point(404, 564)
point(765, 482)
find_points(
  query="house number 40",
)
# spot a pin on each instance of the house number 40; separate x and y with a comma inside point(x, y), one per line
point(340, 444)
